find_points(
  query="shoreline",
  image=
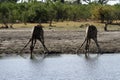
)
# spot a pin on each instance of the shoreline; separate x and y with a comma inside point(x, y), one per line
point(12, 41)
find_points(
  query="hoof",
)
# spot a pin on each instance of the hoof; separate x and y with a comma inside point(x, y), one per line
point(31, 57)
point(46, 52)
point(100, 52)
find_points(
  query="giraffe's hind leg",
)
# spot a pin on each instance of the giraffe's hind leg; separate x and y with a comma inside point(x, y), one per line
point(96, 42)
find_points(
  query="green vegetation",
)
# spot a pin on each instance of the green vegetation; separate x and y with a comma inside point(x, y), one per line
point(35, 12)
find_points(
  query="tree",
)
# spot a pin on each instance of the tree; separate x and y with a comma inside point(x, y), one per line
point(8, 0)
point(62, 1)
point(104, 13)
point(54, 0)
point(51, 13)
point(87, 1)
point(105, 27)
point(117, 12)
point(78, 1)
point(22, 9)
point(96, 1)
point(32, 0)
point(8, 13)
point(103, 1)
point(4, 13)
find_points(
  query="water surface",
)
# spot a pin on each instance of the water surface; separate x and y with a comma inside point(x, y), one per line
point(61, 67)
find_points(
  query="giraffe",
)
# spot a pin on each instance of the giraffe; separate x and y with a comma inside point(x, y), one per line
point(38, 34)
point(91, 33)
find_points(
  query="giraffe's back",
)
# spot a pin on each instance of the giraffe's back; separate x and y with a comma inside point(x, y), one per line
point(37, 32)
point(91, 32)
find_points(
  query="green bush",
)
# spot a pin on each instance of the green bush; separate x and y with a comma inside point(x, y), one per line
point(34, 11)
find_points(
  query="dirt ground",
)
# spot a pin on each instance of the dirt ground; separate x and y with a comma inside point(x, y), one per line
point(63, 41)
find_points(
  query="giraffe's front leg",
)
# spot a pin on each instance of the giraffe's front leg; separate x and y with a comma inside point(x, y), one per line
point(32, 48)
point(86, 49)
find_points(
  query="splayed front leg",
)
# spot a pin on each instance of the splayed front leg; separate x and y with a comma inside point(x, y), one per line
point(87, 48)
point(32, 48)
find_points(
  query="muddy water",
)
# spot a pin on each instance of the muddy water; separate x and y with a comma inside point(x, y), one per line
point(61, 67)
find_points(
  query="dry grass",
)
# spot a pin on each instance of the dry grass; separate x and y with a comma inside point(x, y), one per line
point(68, 25)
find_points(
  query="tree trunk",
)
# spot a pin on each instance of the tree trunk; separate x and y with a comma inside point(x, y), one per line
point(50, 23)
point(62, 1)
point(105, 28)
point(78, 1)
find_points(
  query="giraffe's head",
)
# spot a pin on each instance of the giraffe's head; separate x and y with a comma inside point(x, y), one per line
point(39, 26)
